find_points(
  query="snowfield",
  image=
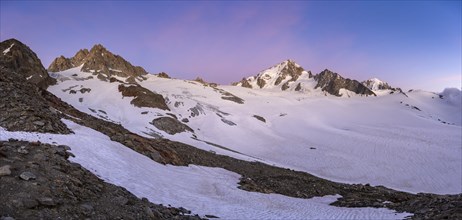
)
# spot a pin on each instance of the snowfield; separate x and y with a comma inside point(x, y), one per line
point(406, 142)
point(202, 190)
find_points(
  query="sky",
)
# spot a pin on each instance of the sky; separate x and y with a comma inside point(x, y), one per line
point(409, 44)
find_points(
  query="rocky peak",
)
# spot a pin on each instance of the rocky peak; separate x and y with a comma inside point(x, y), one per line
point(19, 58)
point(79, 57)
point(98, 60)
point(332, 82)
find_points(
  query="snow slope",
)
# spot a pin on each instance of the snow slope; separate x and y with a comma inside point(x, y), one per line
point(202, 190)
point(408, 143)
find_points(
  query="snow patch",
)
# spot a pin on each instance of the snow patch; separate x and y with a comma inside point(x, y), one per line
point(8, 49)
point(115, 70)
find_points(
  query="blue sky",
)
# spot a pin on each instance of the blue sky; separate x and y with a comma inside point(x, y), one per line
point(410, 44)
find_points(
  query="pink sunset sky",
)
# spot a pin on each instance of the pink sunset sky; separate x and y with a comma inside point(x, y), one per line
point(409, 44)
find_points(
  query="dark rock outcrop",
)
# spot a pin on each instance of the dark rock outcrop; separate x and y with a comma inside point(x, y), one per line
point(19, 58)
point(244, 83)
point(143, 97)
point(22, 110)
point(205, 83)
point(163, 75)
point(332, 82)
point(100, 61)
point(170, 125)
point(44, 184)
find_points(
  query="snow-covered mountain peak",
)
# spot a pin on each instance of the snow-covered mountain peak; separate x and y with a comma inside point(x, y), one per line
point(99, 61)
point(375, 84)
point(280, 76)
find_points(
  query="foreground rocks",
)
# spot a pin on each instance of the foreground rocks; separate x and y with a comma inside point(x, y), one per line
point(61, 189)
point(22, 109)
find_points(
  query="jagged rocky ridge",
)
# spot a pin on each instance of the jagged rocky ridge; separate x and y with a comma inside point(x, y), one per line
point(288, 75)
point(256, 176)
point(332, 83)
point(98, 61)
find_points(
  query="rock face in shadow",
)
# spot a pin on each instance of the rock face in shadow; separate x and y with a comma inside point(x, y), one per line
point(170, 125)
point(19, 58)
point(332, 82)
point(98, 60)
point(143, 97)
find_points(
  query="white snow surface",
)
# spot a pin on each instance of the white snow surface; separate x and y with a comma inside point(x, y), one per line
point(8, 49)
point(380, 140)
point(202, 190)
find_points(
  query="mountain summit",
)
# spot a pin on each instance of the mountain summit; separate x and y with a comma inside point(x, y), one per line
point(98, 60)
point(19, 58)
point(375, 84)
point(289, 75)
point(282, 75)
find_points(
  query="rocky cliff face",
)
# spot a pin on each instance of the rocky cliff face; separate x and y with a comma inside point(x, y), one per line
point(19, 58)
point(99, 61)
point(332, 83)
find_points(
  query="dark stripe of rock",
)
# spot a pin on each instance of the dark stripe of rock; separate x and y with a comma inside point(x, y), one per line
point(65, 190)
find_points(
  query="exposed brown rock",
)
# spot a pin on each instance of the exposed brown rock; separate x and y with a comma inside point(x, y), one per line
point(19, 58)
point(163, 75)
point(244, 83)
point(98, 60)
point(170, 125)
point(143, 97)
point(61, 63)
